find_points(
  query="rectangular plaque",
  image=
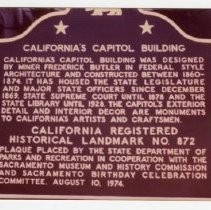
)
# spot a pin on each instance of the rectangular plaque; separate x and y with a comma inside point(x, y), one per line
point(105, 103)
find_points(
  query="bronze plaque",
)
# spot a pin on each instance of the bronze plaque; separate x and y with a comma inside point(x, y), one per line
point(105, 103)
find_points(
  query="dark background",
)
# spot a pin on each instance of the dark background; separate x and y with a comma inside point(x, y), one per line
point(87, 29)
point(196, 22)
